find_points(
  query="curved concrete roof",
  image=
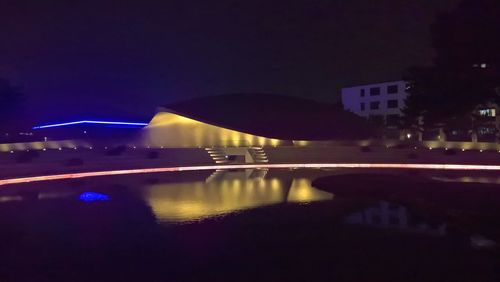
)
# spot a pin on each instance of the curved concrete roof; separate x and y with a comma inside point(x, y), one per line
point(275, 116)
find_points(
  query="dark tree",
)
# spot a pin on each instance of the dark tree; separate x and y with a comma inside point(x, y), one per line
point(10, 103)
point(466, 70)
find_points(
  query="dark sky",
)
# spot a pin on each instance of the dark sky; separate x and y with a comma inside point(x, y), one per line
point(111, 58)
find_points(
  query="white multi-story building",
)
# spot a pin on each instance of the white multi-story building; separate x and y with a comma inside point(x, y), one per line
point(383, 101)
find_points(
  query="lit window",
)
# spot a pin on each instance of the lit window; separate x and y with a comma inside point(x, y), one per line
point(486, 130)
point(483, 65)
point(374, 105)
point(487, 112)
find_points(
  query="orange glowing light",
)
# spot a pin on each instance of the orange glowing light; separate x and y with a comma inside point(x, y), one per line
point(249, 166)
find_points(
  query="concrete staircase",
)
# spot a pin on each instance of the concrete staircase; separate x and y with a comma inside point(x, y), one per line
point(258, 154)
point(248, 155)
point(217, 155)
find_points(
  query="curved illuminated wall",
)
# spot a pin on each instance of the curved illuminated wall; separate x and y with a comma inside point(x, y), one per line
point(39, 145)
point(172, 130)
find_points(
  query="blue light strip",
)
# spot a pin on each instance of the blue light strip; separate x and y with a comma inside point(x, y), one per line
point(91, 122)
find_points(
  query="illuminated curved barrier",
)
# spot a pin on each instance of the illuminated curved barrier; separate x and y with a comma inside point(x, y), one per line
point(171, 130)
point(44, 145)
point(249, 166)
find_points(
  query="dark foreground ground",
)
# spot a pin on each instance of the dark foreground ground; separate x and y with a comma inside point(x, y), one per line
point(120, 240)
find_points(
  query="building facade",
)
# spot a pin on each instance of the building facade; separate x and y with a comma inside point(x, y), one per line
point(487, 123)
point(380, 102)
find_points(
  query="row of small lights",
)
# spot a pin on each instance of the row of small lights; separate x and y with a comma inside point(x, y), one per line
point(148, 147)
point(75, 148)
point(90, 148)
point(446, 149)
point(105, 148)
point(463, 150)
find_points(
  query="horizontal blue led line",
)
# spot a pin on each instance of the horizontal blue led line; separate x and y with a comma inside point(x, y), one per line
point(91, 122)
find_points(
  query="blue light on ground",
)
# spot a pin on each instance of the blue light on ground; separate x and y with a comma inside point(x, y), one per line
point(101, 122)
point(93, 196)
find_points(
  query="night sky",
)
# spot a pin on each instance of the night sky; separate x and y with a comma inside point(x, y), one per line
point(113, 59)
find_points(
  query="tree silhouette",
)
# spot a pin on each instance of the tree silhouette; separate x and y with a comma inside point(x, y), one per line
point(466, 70)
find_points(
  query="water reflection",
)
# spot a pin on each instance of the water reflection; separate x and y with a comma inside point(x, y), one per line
point(220, 174)
point(396, 217)
point(35, 195)
point(10, 198)
point(183, 197)
point(226, 192)
point(470, 179)
point(49, 231)
point(301, 191)
point(93, 197)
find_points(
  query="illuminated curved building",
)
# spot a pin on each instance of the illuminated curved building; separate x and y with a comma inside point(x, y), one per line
point(240, 123)
point(173, 130)
point(247, 120)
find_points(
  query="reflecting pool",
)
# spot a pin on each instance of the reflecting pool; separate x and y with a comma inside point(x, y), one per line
point(253, 225)
point(226, 192)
